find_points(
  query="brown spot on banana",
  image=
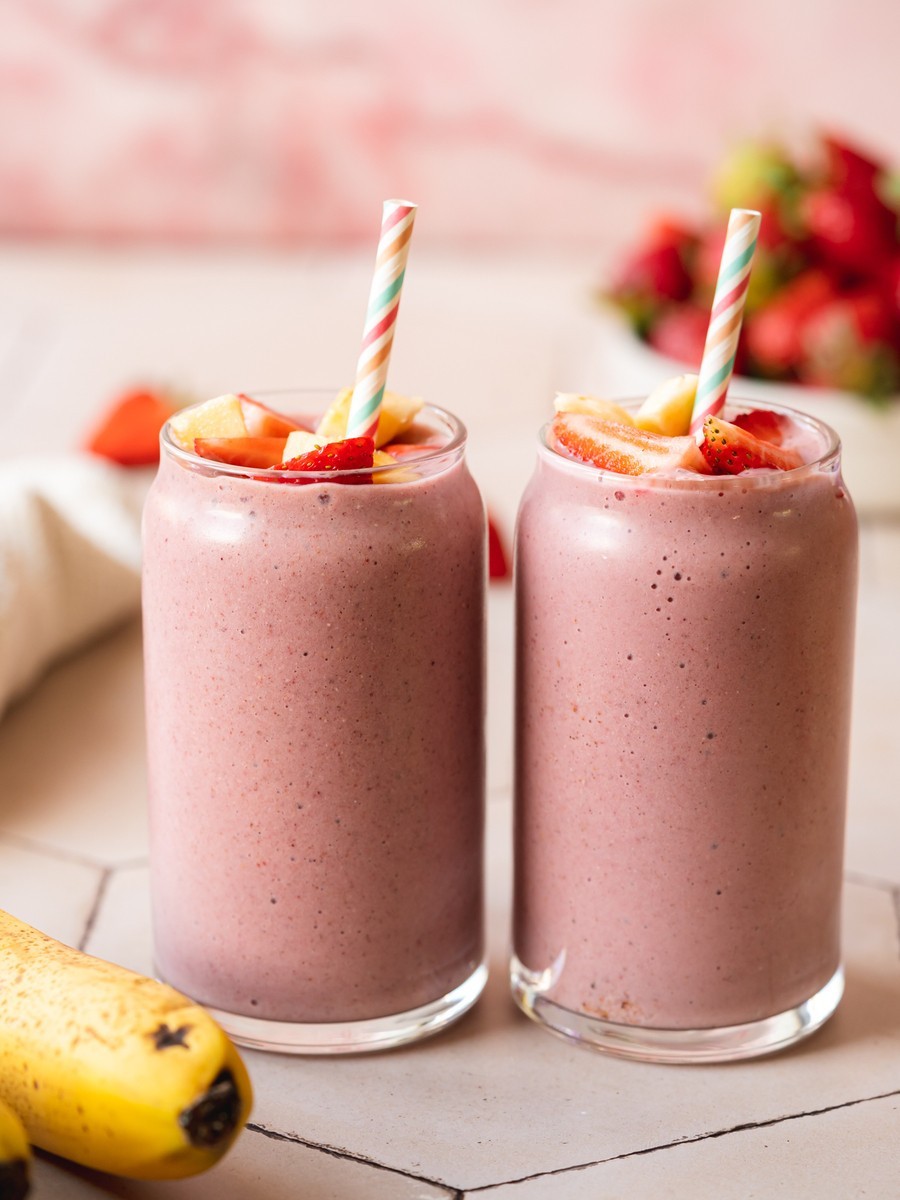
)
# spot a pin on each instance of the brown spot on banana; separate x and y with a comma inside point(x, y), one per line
point(163, 1037)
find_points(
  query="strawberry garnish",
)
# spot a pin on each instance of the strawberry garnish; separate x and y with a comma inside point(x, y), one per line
point(263, 422)
point(498, 560)
point(764, 424)
point(729, 450)
point(352, 454)
point(624, 449)
point(260, 452)
point(402, 450)
point(128, 433)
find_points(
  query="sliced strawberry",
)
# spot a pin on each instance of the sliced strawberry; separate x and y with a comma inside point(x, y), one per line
point(498, 559)
point(263, 422)
point(242, 452)
point(352, 454)
point(128, 433)
point(764, 424)
point(624, 449)
point(729, 450)
point(400, 450)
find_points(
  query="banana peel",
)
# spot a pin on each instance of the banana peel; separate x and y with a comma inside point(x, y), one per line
point(109, 1068)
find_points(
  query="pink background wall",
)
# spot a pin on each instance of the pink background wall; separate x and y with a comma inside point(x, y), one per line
point(546, 122)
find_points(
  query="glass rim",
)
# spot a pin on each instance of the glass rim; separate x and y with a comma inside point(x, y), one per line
point(829, 454)
point(209, 466)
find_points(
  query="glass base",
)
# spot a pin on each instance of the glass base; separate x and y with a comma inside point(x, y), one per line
point(724, 1044)
point(353, 1037)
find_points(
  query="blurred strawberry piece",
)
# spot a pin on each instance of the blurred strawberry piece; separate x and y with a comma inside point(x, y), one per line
point(498, 560)
point(848, 167)
point(851, 230)
point(847, 344)
point(658, 269)
point(772, 336)
point(128, 432)
point(680, 333)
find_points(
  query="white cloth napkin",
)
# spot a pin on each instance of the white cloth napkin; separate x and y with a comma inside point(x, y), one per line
point(70, 549)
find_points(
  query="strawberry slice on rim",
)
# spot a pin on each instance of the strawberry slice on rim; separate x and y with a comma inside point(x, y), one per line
point(764, 424)
point(729, 450)
point(351, 454)
point(260, 452)
point(263, 422)
point(624, 449)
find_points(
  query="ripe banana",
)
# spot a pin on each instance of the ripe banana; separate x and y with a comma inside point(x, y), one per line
point(15, 1154)
point(111, 1069)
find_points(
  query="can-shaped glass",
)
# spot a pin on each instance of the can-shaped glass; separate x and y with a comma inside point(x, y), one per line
point(684, 663)
point(314, 657)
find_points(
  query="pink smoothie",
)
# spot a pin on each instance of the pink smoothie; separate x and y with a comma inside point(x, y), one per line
point(684, 671)
point(314, 660)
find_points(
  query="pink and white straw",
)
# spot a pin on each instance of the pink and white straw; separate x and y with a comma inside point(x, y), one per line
point(381, 317)
point(717, 365)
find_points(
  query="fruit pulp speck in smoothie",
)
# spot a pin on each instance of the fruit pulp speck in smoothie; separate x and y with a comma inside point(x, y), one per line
point(314, 658)
point(684, 657)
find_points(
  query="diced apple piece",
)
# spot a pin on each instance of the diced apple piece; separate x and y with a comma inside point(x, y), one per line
point(592, 406)
point(301, 441)
point(221, 417)
point(397, 414)
point(667, 410)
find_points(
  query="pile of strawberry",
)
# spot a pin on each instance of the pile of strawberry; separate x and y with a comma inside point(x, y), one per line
point(823, 306)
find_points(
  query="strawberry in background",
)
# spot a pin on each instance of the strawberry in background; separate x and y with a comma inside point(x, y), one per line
point(128, 431)
point(823, 305)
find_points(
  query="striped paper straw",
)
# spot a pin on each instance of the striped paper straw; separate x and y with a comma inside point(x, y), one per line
point(727, 314)
point(381, 317)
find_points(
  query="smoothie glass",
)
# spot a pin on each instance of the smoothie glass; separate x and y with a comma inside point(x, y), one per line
point(684, 659)
point(315, 701)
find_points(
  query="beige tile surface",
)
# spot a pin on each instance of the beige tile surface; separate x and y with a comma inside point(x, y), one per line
point(848, 1152)
point(72, 756)
point(258, 1168)
point(55, 894)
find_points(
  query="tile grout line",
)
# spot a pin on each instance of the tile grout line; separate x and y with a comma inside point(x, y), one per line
point(23, 842)
point(348, 1156)
point(701, 1137)
point(872, 881)
point(105, 876)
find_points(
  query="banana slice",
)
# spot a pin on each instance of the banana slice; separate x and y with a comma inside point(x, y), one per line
point(668, 408)
point(397, 414)
point(592, 406)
